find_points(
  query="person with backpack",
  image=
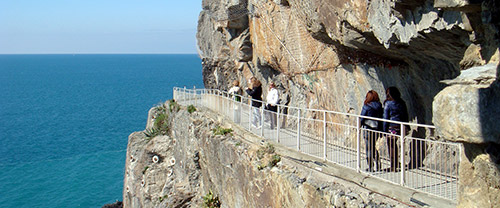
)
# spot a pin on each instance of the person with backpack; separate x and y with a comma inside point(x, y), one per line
point(395, 110)
point(373, 108)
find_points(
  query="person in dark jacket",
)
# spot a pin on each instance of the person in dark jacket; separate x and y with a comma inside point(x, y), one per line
point(255, 91)
point(395, 110)
point(373, 108)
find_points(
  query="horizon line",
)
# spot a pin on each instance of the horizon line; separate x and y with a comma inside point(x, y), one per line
point(99, 53)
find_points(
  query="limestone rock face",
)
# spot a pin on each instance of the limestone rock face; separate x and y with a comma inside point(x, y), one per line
point(328, 54)
point(469, 109)
point(479, 184)
point(179, 169)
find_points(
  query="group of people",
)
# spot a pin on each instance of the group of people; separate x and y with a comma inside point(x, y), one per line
point(254, 90)
point(394, 109)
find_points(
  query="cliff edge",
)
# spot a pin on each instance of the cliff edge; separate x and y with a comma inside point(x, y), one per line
point(198, 161)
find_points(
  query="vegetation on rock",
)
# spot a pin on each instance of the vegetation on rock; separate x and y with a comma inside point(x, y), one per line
point(191, 109)
point(210, 200)
point(267, 157)
point(173, 106)
point(221, 131)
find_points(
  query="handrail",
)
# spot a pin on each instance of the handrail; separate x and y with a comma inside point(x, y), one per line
point(342, 141)
point(327, 111)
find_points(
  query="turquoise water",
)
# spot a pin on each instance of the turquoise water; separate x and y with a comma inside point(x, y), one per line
point(65, 121)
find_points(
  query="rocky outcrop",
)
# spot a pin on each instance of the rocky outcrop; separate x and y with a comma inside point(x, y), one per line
point(192, 165)
point(328, 54)
point(442, 54)
point(468, 111)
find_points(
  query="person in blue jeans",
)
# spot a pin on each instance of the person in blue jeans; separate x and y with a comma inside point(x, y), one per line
point(395, 110)
point(373, 108)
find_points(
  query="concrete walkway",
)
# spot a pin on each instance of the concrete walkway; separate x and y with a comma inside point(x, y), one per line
point(439, 186)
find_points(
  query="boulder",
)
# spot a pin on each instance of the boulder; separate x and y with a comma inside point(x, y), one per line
point(469, 109)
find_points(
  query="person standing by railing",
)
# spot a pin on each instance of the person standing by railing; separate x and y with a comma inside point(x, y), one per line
point(373, 108)
point(395, 110)
point(272, 104)
point(236, 92)
point(255, 91)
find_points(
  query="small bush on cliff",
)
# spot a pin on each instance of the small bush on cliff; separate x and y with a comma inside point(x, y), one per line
point(275, 159)
point(152, 132)
point(160, 124)
point(267, 157)
point(191, 109)
point(210, 200)
point(173, 106)
point(221, 131)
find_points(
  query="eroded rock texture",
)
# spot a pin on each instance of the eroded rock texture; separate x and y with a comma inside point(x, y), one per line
point(328, 54)
point(179, 169)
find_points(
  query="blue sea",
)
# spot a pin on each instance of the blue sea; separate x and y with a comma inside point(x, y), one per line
point(65, 121)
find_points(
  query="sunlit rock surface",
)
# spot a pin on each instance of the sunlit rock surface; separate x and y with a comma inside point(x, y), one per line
point(328, 54)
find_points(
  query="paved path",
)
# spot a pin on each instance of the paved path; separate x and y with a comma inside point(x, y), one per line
point(421, 179)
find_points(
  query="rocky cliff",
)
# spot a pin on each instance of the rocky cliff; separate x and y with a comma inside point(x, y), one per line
point(442, 54)
point(189, 164)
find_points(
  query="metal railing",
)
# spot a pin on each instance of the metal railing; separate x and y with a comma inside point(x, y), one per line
point(411, 157)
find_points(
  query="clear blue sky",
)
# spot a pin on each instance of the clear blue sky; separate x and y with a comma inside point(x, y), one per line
point(98, 26)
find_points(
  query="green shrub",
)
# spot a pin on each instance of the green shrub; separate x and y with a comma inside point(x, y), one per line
point(275, 159)
point(145, 168)
point(173, 106)
point(152, 132)
point(191, 109)
point(161, 123)
point(267, 156)
point(210, 200)
point(221, 131)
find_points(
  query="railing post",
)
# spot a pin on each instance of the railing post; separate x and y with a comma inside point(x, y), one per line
point(298, 129)
point(278, 125)
point(324, 135)
point(250, 115)
point(190, 97)
point(402, 154)
point(262, 119)
point(241, 110)
point(185, 98)
point(195, 95)
point(358, 132)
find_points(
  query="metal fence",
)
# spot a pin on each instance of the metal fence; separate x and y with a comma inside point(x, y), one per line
point(411, 157)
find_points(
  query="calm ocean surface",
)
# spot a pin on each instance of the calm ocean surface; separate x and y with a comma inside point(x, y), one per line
point(65, 121)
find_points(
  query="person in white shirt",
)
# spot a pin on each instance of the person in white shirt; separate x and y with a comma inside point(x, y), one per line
point(236, 93)
point(272, 104)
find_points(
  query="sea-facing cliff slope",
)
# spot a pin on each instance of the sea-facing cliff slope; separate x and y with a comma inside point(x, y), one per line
point(191, 162)
point(442, 54)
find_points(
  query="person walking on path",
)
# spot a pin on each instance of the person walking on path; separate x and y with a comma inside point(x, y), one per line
point(236, 92)
point(395, 110)
point(373, 108)
point(272, 104)
point(255, 91)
